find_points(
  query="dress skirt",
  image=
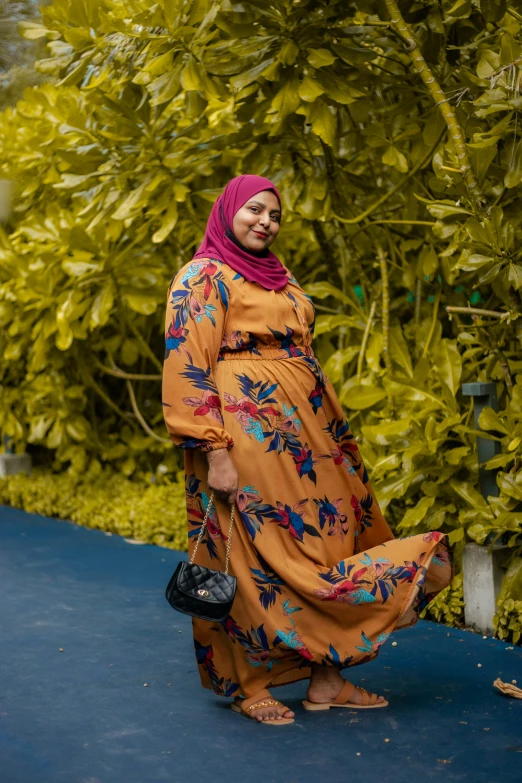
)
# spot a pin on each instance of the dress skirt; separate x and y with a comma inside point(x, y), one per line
point(321, 577)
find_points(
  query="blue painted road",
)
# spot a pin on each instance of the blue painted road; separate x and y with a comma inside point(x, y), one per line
point(84, 715)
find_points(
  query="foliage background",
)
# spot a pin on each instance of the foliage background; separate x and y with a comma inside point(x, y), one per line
point(393, 132)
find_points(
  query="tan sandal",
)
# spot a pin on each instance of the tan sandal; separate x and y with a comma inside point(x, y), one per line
point(369, 700)
point(262, 699)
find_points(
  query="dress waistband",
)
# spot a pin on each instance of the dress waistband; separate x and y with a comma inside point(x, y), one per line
point(266, 353)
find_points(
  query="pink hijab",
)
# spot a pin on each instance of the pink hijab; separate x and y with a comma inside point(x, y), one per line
point(219, 240)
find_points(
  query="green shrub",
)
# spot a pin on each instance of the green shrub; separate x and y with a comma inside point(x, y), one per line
point(154, 513)
point(394, 136)
point(448, 606)
point(508, 619)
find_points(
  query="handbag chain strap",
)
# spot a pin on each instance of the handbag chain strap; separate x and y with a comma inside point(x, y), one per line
point(204, 525)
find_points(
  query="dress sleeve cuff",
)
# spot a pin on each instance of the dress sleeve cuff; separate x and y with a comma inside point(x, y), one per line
point(216, 444)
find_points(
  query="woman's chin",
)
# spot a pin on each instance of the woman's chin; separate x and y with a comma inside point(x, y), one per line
point(256, 244)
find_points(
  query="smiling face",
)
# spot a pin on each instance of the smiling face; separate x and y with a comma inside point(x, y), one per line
point(257, 223)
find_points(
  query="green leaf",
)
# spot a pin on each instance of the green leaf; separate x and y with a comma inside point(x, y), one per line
point(160, 64)
point(327, 323)
point(513, 176)
point(191, 76)
point(456, 456)
point(142, 303)
point(31, 31)
point(310, 89)
point(169, 221)
point(102, 306)
point(336, 362)
point(323, 120)
point(320, 57)
point(509, 49)
point(415, 515)
point(134, 201)
point(510, 486)
point(489, 63)
point(413, 392)
point(39, 428)
point(323, 289)
point(338, 89)
point(399, 350)
point(449, 364)
point(384, 433)
point(393, 157)
point(456, 535)
point(499, 461)
point(358, 397)
point(468, 493)
point(395, 487)
point(474, 262)
point(77, 428)
point(490, 421)
point(429, 260)
point(287, 99)
point(251, 75)
point(165, 87)
point(354, 55)
point(288, 53)
point(515, 275)
point(442, 209)
point(461, 8)
point(477, 231)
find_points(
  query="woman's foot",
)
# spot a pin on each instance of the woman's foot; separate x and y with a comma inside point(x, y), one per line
point(326, 684)
point(266, 713)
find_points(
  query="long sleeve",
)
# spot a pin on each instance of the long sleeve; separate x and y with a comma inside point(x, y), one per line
point(197, 304)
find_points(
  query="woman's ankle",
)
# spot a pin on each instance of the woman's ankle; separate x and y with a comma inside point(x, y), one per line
point(324, 674)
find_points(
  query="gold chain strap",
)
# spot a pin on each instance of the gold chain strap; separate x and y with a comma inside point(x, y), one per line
point(202, 530)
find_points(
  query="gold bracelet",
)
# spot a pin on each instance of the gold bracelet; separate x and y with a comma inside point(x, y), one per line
point(260, 704)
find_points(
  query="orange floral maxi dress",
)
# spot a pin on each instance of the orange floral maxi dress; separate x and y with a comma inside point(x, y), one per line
point(321, 577)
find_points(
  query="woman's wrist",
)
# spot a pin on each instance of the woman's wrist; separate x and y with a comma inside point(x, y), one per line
point(215, 454)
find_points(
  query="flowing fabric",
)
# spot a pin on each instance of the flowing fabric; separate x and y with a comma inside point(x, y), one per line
point(219, 241)
point(321, 577)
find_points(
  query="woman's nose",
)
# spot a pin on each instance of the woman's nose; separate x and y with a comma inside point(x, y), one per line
point(264, 220)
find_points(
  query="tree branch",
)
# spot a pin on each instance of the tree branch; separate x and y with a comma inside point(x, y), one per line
point(89, 381)
point(385, 306)
point(140, 418)
point(399, 186)
point(365, 338)
point(433, 323)
point(131, 376)
point(475, 311)
point(145, 346)
point(455, 131)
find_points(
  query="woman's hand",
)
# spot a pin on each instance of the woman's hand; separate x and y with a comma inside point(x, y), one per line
point(223, 478)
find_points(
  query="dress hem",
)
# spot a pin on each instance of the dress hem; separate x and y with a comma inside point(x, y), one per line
point(304, 673)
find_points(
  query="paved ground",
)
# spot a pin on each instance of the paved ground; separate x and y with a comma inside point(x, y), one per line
point(84, 716)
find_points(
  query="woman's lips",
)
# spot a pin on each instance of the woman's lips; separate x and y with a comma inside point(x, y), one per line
point(260, 234)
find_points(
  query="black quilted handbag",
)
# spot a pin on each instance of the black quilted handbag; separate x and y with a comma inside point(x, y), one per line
point(199, 591)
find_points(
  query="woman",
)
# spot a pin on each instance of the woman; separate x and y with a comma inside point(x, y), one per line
point(322, 581)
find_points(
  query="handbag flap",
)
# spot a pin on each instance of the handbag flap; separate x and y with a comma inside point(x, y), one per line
point(205, 584)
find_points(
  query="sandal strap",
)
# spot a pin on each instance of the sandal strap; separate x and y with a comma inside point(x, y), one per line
point(260, 700)
point(261, 704)
point(366, 697)
point(348, 691)
point(245, 703)
point(345, 693)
